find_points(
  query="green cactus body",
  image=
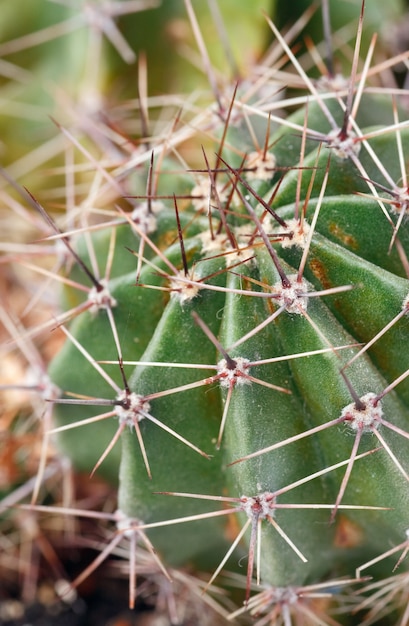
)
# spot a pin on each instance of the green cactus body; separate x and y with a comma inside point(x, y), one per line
point(234, 293)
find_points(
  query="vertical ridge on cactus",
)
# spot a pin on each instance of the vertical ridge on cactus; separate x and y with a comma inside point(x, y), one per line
point(231, 320)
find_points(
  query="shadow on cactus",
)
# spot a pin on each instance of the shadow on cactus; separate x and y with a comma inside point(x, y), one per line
point(235, 355)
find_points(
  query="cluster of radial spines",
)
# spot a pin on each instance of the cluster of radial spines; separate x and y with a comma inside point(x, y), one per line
point(381, 598)
point(295, 606)
point(125, 550)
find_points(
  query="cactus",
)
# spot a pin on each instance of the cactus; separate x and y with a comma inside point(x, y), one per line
point(233, 359)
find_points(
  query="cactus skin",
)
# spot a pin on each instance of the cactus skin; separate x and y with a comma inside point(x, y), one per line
point(349, 247)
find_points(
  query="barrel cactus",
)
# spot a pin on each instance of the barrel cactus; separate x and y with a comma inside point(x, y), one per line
point(235, 358)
